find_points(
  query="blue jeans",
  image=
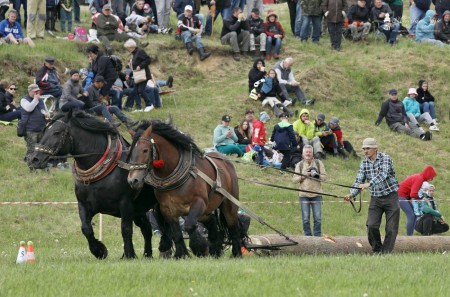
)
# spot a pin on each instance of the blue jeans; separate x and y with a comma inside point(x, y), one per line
point(306, 27)
point(429, 107)
point(298, 20)
point(116, 96)
point(238, 3)
point(66, 16)
point(139, 89)
point(153, 94)
point(314, 204)
point(407, 208)
point(224, 12)
point(269, 42)
point(391, 35)
point(9, 116)
point(415, 15)
point(187, 36)
point(106, 112)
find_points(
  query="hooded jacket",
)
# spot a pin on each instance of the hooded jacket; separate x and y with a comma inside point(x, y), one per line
point(409, 188)
point(425, 28)
point(303, 129)
point(254, 75)
point(422, 95)
point(442, 29)
point(412, 106)
point(283, 136)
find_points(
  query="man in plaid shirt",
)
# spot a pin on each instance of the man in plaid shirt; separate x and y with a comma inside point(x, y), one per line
point(377, 172)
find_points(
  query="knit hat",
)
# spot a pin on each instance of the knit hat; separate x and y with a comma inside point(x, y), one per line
point(334, 121)
point(263, 116)
point(321, 117)
point(369, 143)
point(74, 71)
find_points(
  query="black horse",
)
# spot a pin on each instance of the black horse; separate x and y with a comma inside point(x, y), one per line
point(100, 185)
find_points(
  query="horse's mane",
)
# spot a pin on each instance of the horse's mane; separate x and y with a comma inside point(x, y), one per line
point(86, 121)
point(169, 132)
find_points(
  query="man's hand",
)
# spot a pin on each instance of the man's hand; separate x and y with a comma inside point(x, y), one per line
point(348, 197)
point(294, 83)
point(442, 220)
point(364, 186)
point(138, 68)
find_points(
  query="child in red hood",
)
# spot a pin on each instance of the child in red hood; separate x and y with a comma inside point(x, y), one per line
point(409, 189)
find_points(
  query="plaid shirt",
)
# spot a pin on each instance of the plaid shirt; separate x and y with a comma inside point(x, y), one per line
point(380, 174)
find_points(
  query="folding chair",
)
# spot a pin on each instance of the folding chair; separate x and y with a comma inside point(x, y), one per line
point(52, 104)
point(171, 92)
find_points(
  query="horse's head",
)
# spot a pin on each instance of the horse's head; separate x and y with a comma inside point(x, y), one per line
point(55, 141)
point(140, 158)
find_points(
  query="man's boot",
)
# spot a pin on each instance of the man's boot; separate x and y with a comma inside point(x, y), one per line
point(203, 54)
point(189, 48)
point(342, 152)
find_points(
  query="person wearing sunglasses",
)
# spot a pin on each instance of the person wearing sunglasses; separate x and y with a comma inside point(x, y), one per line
point(8, 110)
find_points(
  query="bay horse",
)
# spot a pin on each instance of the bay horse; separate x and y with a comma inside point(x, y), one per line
point(100, 185)
point(187, 183)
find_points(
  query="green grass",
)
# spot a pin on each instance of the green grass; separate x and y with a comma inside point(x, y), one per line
point(351, 85)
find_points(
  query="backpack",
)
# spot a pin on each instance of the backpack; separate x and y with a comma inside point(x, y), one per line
point(117, 63)
point(81, 34)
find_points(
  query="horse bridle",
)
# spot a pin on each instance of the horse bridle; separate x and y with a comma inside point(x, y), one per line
point(141, 166)
point(45, 149)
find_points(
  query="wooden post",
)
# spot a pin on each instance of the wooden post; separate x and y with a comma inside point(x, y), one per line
point(350, 244)
point(100, 227)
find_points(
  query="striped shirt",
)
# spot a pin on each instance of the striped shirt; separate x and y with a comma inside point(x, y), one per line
point(379, 173)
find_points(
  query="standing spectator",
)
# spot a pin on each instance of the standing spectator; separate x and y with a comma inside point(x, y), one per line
point(293, 14)
point(34, 114)
point(377, 173)
point(417, 10)
point(442, 28)
point(430, 220)
point(284, 139)
point(191, 30)
point(288, 83)
point(425, 29)
point(163, 11)
point(16, 7)
point(311, 15)
point(358, 20)
point(66, 15)
point(140, 60)
point(117, 8)
point(48, 80)
point(275, 34)
point(257, 72)
point(397, 9)
point(259, 136)
point(412, 108)
point(426, 100)
point(4, 6)
point(335, 13)
point(222, 7)
point(409, 190)
point(12, 31)
point(51, 7)
point(102, 65)
point(37, 15)
point(310, 173)
point(225, 140)
point(8, 110)
point(257, 35)
point(381, 14)
point(252, 5)
point(235, 32)
point(441, 7)
point(394, 111)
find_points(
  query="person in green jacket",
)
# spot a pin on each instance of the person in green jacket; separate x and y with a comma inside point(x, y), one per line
point(306, 130)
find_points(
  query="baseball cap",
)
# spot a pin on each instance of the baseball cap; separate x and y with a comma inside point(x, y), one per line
point(392, 92)
point(188, 7)
point(255, 10)
point(99, 78)
point(50, 60)
point(33, 87)
point(226, 118)
point(334, 121)
point(106, 7)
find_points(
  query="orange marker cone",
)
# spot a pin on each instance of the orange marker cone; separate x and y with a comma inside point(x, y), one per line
point(22, 255)
point(30, 253)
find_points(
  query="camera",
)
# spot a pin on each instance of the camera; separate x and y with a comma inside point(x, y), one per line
point(314, 172)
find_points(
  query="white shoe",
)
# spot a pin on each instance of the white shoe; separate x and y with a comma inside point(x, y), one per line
point(434, 128)
point(287, 103)
point(149, 108)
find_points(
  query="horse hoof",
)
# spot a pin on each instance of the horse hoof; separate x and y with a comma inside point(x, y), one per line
point(148, 255)
point(99, 250)
point(129, 257)
point(165, 255)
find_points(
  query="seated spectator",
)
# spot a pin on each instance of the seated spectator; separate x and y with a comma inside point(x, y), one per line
point(235, 33)
point(71, 91)
point(288, 83)
point(412, 108)
point(394, 111)
point(442, 28)
point(382, 15)
point(425, 29)
point(242, 132)
point(429, 219)
point(409, 191)
point(12, 31)
point(283, 139)
point(327, 138)
point(426, 100)
point(93, 103)
point(305, 129)
point(249, 116)
point(257, 35)
point(259, 136)
point(336, 128)
point(137, 26)
point(8, 110)
point(191, 30)
point(257, 72)
point(225, 140)
point(48, 80)
point(275, 34)
point(359, 21)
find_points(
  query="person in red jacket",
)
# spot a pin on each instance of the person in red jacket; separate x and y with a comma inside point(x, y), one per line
point(259, 136)
point(275, 34)
point(409, 189)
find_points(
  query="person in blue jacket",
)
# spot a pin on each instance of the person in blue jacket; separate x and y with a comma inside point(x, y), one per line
point(12, 31)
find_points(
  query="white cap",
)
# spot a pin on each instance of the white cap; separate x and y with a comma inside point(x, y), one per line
point(188, 7)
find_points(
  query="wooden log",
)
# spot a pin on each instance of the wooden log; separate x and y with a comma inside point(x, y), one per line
point(349, 244)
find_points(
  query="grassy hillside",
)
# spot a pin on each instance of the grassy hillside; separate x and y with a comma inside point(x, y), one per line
point(350, 84)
